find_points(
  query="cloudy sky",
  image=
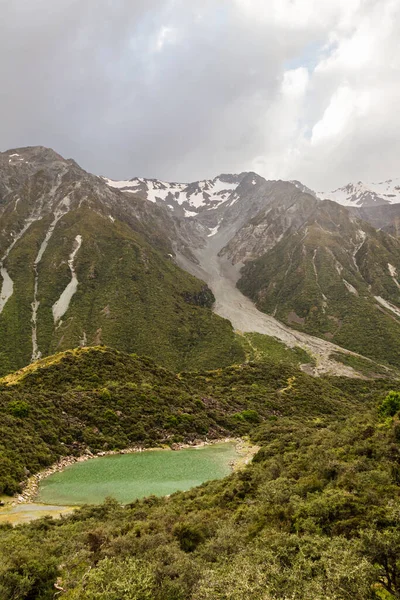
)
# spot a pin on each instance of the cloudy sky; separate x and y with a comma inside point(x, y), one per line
point(186, 89)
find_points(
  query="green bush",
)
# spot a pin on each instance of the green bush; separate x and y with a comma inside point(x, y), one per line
point(251, 416)
point(129, 579)
point(391, 404)
point(19, 409)
point(188, 536)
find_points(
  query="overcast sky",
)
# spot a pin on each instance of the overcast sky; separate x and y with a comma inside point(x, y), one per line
point(186, 89)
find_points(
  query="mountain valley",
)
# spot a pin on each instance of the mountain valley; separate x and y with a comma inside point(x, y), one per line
point(320, 269)
point(82, 264)
point(141, 314)
point(87, 260)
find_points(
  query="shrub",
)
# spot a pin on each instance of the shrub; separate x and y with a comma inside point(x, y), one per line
point(251, 416)
point(188, 536)
point(19, 409)
point(391, 404)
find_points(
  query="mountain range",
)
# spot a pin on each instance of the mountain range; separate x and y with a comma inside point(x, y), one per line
point(319, 267)
point(151, 267)
point(83, 264)
point(228, 305)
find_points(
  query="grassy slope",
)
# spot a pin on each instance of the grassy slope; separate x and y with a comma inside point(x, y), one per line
point(99, 399)
point(130, 296)
point(259, 347)
point(314, 516)
point(353, 321)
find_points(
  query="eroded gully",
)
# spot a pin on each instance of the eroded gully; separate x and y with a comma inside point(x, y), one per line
point(231, 304)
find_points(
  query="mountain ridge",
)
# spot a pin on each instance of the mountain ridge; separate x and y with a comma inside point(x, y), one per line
point(127, 291)
point(365, 194)
point(85, 260)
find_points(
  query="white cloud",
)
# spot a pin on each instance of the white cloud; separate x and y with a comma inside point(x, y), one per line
point(295, 82)
point(345, 105)
point(166, 35)
point(348, 126)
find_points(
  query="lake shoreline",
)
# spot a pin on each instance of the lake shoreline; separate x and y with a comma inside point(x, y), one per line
point(244, 449)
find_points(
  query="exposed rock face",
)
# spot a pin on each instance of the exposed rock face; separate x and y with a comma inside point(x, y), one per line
point(183, 199)
point(315, 265)
point(327, 276)
point(384, 216)
point(286, 209)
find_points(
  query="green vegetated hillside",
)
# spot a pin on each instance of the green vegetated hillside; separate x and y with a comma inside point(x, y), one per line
point(102, 399)
point(129, 296)
point(259, 347)
point(325, 278)
point(130, 293)
point(315, 516)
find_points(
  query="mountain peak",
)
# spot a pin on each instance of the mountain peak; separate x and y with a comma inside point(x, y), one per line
point(32, 154)
point(184, 199)
point(362, 194)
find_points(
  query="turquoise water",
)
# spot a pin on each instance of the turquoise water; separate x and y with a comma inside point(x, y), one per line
point(127, 477)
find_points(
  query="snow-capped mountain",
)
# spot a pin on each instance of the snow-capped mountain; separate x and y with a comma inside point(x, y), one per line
point(184, 199)
point(303, 188)
point(191, 199)
point(365, 194)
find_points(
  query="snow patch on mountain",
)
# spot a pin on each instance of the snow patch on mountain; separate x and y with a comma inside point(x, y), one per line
point(191, 197)
point(213, 231)
point(350, 287)
point(61, 306)
point(7, 288)
point(393, 274)
point(15, 159)
point(365, 194)
point(60, 211)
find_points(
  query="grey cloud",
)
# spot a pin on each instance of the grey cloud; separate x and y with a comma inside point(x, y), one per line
point(86, 78)
point(167, 88)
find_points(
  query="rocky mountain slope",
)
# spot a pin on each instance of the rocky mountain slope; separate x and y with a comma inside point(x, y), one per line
point(332, 275)
point(87, 260)
point(313, 266)
point(84, 264)
point(384, 216)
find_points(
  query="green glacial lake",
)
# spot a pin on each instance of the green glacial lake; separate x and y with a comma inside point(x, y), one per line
point(127, 477)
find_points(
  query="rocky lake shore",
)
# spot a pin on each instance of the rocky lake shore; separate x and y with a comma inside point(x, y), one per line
point(244, 449)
